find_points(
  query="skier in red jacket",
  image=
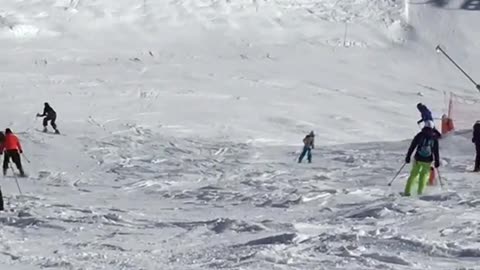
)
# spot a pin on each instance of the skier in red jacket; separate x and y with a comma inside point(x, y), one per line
point(12, 147)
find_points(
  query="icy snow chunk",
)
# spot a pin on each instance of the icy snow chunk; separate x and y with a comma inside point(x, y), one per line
point(24, 31)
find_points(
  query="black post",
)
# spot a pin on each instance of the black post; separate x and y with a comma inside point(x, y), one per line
point(439, 49)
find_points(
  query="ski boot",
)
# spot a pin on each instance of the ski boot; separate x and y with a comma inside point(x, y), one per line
point(4, 172)
point(56, 131)
point(45, 129)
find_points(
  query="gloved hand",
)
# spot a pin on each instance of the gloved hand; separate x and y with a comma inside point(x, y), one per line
point(21, 151)
point(407, 159)
point(437, 163)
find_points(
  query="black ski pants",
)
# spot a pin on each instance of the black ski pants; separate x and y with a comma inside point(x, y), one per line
point(52, 118)
point(15, 156)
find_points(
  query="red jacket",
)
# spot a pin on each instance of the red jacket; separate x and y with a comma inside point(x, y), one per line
point(11, 142)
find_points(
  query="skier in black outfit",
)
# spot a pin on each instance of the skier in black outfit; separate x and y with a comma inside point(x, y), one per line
point(476, 141)
point(50, 115)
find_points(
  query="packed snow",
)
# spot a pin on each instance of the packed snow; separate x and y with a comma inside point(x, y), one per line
point(182, 122)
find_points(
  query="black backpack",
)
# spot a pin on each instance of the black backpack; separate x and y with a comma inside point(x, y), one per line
point(425, 148)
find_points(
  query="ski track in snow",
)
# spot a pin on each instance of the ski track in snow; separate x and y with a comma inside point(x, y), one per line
point(181, 123)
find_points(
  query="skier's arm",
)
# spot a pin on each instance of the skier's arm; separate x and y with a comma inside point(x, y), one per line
point(436, 153)
point(419, 121)
point(43, 114)
point(412, 147)
point(2, 146)
point(19, 147)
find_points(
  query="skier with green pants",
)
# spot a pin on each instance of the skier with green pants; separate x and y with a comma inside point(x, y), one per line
point(426, 145)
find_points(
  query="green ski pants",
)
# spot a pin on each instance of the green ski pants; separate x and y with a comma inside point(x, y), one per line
point(420, 171)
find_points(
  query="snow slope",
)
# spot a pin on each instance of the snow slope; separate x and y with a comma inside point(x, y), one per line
point(182, 122)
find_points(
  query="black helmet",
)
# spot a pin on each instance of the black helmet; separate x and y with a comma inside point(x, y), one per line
point(8, 131)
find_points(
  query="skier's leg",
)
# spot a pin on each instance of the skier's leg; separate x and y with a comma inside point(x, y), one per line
point(53, 124)
point(18, 162)
point(424, 175)
point(309, 155)
point(477, 158)
point(6, 160)
point(413, 177)
point(45, 124)
point(302, 155)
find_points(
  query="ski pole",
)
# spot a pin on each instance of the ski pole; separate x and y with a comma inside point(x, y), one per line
point(439, 49)
point(25, 157)
point(440, 179)
point(396, 175)
point(16, 180)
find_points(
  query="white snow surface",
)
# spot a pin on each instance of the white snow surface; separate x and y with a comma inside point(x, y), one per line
point(182, 121)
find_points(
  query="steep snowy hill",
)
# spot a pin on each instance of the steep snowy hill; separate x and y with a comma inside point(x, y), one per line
point(182, 122)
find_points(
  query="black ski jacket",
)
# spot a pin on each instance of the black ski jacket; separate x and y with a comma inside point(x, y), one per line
point(426, 133)
point(49, 112)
